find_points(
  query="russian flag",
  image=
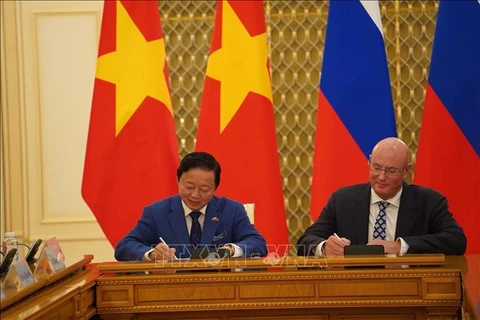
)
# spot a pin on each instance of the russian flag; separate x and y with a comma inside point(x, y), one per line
point(355, 108)
point(449, 145)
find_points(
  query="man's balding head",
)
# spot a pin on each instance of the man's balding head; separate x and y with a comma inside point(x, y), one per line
point(388, 167)
point(396, 147)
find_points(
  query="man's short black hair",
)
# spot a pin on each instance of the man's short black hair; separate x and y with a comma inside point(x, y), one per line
point(200, 160)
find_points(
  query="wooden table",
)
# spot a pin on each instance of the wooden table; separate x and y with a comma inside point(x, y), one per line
point(66, 294)
point(398, 288)
point(471, 281)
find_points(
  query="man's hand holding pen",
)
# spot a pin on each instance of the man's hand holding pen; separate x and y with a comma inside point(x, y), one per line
point(162, 252)
point(334, 245)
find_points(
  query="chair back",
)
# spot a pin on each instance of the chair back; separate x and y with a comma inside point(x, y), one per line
point(250, 208)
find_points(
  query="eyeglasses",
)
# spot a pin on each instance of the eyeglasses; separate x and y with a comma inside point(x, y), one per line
point(388, 171)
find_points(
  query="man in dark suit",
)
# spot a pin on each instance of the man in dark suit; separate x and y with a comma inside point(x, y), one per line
point(387, 211)
point(169, 228)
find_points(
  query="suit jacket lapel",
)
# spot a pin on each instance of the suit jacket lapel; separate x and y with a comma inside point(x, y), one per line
point(212, 219)
point(177, 219)
point(406, 213)
point(360, 211)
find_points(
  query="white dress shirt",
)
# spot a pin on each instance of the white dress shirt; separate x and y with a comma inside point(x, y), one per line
point(391, 215)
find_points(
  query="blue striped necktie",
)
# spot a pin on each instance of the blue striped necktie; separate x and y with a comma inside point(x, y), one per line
point(196, 231)
point(380, 228)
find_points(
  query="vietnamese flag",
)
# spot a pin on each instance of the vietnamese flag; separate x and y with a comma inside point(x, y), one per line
point(448, 157)
point(236, 121)
point(355, 108)
point(132, 154)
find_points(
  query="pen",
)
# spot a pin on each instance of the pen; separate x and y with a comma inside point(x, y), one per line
point(163, 241)
point(336, 235)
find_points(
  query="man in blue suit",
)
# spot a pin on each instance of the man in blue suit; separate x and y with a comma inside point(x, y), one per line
point(169, 228)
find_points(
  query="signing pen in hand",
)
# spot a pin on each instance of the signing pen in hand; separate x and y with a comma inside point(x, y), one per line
point(336, 236)
point(163, 241)
point(347, 242)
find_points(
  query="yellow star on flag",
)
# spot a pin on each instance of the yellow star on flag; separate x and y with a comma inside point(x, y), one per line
point(136, 68)
point(240, 64)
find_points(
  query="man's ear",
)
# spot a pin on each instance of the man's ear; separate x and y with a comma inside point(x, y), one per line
point(408, 167)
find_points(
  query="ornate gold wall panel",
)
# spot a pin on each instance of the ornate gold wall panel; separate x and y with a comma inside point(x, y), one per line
point(296, 31)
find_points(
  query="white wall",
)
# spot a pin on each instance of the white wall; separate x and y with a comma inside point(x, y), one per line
point(48, 69)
